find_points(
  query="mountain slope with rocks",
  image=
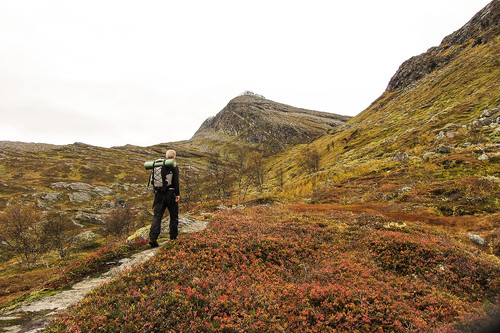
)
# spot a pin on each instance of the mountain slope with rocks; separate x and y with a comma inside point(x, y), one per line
point(483, 28)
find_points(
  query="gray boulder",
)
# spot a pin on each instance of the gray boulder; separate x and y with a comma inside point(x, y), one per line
point(80, 186)
point(483, 157)
point(79, 197)
point(476, 239)
point(186, 224)
point(103, 190)
point(88, 218)
point(443, 150)
point(400, 157)
point(59, 185)
point(84, 238)
point(52, 197)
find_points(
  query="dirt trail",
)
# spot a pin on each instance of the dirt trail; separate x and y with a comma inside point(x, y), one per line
point(35, 316)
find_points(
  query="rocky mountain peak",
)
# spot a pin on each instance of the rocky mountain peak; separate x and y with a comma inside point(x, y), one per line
point(253, 119)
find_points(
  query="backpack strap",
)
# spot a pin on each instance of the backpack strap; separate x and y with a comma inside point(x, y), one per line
point(152, 176)
point(163, 174)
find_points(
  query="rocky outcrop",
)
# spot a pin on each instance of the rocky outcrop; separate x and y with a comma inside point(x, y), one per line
point(88, 217)
point(79, 197)
point(81, 192)
point(484, 26)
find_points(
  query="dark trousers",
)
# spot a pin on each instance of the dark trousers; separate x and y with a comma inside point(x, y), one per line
point(164, 200)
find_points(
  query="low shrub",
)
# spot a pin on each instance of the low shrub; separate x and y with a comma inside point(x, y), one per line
point(274, 269)
point(436, 261)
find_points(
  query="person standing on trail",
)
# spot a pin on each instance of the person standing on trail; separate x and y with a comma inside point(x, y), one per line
point(166, 198)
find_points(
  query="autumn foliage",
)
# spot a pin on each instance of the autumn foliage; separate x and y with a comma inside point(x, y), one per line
point(287, 269)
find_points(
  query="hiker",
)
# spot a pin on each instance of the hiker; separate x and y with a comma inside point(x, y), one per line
point(166, 197)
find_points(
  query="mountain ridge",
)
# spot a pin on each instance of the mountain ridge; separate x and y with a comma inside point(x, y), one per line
point(26, 146)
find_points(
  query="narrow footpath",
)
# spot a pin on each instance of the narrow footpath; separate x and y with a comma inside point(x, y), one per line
point(34, 316)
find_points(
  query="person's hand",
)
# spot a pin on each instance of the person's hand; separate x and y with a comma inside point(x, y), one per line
point(177, 198)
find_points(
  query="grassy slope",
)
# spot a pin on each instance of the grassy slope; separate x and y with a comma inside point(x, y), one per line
point(25, 176)
point(299, 268)
point(31, 173)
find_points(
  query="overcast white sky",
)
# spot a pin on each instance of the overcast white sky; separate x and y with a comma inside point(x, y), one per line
point(116, 72)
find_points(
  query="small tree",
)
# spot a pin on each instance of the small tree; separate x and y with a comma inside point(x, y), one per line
point(118, 222)
point(192, 187)
point(58, 232)
point(143, 217)
point(222, 175)
point(242, 172)
point(206, 187)
point(280, 176)
point(256, 166)
point(311, 159)
point(21, 232)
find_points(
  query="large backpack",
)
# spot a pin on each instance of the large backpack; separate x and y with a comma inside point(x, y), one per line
point(162, 173)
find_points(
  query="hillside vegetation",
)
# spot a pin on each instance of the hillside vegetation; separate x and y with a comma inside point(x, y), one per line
point(430, 142)
point(298, 268)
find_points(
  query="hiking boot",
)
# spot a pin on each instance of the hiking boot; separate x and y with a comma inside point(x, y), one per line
point(153, 244)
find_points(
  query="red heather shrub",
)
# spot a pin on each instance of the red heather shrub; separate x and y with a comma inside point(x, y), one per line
point(278, 270)
point(435, 260)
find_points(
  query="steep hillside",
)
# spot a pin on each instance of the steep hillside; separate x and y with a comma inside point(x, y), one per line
point(430, 141)
point(252, 119)
point(454, 91)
